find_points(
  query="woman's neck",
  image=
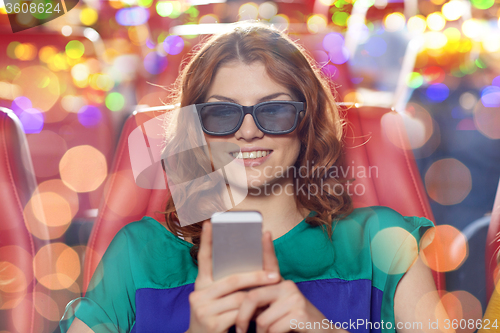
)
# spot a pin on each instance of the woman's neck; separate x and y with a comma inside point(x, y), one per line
point(279, 211)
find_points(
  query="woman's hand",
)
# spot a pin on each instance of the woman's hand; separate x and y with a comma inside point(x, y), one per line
point(287, 306)
point(214, 304)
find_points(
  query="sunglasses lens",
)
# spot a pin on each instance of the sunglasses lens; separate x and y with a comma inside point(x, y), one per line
point(219, 118)
point(276, 117)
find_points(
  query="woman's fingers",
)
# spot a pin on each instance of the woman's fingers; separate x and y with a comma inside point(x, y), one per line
point(255, 299)
point(235, 282)
point(224, 304)
point(269, 260)
point(274, 313)
point(205, 256)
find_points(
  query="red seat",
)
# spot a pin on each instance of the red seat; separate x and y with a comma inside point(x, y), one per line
point(18, 246)
point(125, 202)
point(62, 129)
point(493, 246)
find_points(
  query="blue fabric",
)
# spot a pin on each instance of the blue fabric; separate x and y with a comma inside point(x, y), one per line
point(167, 310)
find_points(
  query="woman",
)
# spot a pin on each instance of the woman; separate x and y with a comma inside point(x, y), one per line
point(326, 266)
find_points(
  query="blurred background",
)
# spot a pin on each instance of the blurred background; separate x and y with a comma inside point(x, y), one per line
point(74, 80)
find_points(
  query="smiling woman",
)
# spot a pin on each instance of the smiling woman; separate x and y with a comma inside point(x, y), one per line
point(325, 265)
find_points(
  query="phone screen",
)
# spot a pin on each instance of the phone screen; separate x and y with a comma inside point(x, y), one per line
point(236, 243)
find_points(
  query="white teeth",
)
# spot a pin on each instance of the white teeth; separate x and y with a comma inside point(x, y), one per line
point(251, 154)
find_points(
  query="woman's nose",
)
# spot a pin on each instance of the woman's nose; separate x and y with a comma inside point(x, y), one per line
point(248, 130)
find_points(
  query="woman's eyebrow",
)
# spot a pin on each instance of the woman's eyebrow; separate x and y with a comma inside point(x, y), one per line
point(263, 99)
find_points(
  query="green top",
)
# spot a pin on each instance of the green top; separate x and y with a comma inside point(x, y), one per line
point(144, 278)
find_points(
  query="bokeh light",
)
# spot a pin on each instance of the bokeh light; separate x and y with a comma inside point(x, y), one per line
point(66, 30)
point(154, 63)
point(46, 53)
point(316, 23)
point(173, 45)
point(11, 48)
point(115, 101)
point(132, 16)
point(31, 118)
point(333, 42)
point(437, 92)
point(487, 119)
point(281, 20)
point(80, 72)
point(340, 18)
point(208, 19)
point(417, 24)
point(145, 3)
point(490, 96)
point(416, 122)
point(414, 80)
point(423, 311)
point(388, 244)
point(170, 9)
point(394, 22)
point(444, 248)
point(461, 307)
point(83, 168)
point(452, 34)
point(40, 85)
point(471, 28)
point(14, 285)
point(490, 42)
point(75, 49)
point(88, 16)
point(436, 21)
point(453, 10)
point(434, 74)
point(435, 40)
point(56, 186)
point(268, 9)
point(482, 4)
point(47, 306)
point(60, 273)
point(448, 181)
point(248, 11)
point(89, 116)
point(467, 100)
point(25, 52)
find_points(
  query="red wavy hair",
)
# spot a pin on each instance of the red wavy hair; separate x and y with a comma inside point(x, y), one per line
point(320, 132)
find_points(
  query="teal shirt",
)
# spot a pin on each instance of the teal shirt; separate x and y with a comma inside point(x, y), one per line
point(144, 279)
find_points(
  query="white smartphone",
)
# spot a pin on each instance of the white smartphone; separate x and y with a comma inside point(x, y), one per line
point(236, 243)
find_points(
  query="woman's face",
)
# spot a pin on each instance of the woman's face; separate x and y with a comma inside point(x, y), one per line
point(248, 85)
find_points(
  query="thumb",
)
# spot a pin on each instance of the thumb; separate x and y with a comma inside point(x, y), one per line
point(269, 259)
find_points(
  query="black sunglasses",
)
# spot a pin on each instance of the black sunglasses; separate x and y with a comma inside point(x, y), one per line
point(272, 117)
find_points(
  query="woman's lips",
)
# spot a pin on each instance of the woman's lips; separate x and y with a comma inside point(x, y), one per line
point(251, 162)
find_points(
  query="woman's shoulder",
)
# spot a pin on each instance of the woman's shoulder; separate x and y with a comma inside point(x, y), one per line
point(155, 253)
point(376, 218)
point(148, 229)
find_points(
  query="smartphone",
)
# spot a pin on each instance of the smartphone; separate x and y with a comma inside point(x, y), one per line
point(236, 243)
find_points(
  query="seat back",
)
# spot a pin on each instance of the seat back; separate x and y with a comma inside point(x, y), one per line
point(18, 246)
point(56, 120)
point(366, 145)
point(493, 246)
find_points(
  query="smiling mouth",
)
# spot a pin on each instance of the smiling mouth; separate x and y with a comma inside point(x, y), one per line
point(251, 154)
